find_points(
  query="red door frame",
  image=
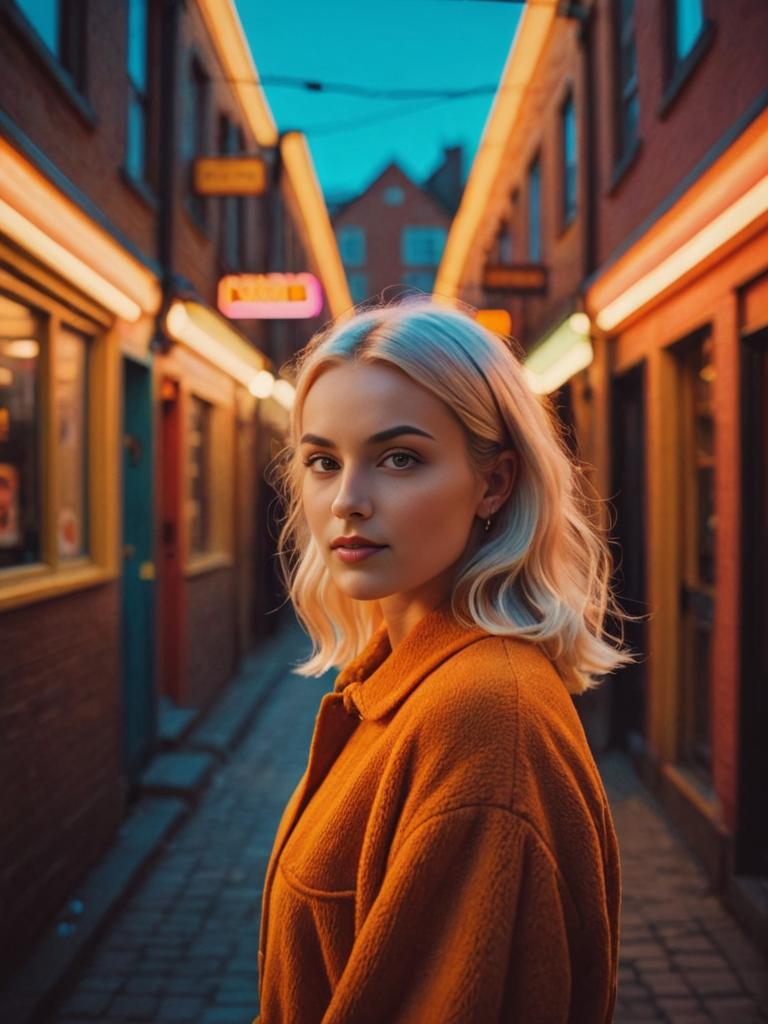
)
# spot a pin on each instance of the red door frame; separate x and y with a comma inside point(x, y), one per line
point(173, 675)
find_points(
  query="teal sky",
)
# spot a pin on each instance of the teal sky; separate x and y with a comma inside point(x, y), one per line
point(380, 45)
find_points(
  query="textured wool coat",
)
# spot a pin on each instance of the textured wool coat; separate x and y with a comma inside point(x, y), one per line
point(449, 854)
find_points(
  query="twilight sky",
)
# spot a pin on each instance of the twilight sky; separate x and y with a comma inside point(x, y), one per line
point(380, 45)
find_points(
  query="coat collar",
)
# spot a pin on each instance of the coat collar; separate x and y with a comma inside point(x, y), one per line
point(379, 679)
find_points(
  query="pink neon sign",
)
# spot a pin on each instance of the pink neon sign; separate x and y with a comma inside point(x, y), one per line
point(270, 296)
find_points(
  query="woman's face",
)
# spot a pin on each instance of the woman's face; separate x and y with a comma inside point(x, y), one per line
point(415, 494)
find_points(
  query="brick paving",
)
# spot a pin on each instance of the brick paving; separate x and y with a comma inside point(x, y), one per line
point(184, 947)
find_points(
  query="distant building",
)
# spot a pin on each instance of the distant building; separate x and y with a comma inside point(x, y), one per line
point(393, 233)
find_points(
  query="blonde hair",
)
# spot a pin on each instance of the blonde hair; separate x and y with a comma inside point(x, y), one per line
point(542, 572)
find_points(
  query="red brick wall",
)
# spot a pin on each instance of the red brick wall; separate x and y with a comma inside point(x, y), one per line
point(383, 226)
point(90, 155)
point(61, 798)
point(729, 77)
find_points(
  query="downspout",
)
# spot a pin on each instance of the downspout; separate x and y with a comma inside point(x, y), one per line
point(168, 124)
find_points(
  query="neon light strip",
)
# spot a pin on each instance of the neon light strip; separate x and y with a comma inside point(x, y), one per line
point(67, 264)
point(727, 224)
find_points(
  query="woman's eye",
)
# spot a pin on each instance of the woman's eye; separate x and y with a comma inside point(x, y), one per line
point(315, 459)
point(402, 455)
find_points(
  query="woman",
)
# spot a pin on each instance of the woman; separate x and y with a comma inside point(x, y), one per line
point(449, 854)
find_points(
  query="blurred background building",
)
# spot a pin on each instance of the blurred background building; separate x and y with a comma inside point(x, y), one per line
point(391, 237)
point(616, 214)
point(135, 419)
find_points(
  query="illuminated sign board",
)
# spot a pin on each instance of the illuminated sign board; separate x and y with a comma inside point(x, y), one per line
point(270, 296)
point(497, 320)
point(518, 277)
point(230, 176)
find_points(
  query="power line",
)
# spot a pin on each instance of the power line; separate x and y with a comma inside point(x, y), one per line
point(350, 89)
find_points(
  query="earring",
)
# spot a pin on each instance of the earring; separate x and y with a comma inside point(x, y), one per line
point(487, 526)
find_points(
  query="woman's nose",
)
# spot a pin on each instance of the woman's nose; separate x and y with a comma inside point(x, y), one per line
point(351, 498)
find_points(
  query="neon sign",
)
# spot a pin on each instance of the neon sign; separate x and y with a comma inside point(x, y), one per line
point(270, 296)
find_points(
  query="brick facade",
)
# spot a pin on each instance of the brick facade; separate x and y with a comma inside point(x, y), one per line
point(383, 224)
point(60, 737)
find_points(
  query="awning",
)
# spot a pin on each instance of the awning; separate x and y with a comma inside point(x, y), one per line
point(53, 229)
point(214, 338)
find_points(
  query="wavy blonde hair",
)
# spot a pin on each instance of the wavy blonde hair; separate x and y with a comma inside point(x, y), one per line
point(542, 572)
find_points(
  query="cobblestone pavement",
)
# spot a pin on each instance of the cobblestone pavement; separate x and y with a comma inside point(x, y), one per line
point(184, 947)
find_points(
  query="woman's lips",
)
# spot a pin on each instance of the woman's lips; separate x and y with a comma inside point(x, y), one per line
point(357, 554)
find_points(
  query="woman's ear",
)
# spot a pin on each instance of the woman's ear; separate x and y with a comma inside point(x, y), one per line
point(500, 482)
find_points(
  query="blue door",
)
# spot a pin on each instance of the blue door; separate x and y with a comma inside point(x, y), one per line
point(138, 660)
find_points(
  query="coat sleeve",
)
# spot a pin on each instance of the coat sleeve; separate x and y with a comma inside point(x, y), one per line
point(470, 925)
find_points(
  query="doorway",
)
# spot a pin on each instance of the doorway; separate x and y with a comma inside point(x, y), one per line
point(752, 829)
point(138, 572)
point(629, 543)
point(172, 591)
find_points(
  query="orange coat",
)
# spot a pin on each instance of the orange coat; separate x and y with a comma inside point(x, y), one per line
point(449, 854)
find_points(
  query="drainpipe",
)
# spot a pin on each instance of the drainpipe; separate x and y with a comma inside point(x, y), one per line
point(168, 142)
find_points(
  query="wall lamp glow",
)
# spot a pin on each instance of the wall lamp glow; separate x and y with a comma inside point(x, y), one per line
point(262, 385)
point(67, 264)
point(211, 337)
point(562, 354)
point(727, 224)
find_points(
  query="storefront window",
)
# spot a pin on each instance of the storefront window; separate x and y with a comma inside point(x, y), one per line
point(697, 544)
point(71, 405)
point(199, 498)
point(20, 442)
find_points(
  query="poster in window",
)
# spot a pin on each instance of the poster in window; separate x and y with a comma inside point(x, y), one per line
point(10, 533)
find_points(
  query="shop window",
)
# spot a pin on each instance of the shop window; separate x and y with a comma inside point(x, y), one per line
point(358, 286)
point(697, 546)
point(198, 472)
point(71, 418)
point(422, 246)
point(195, 131)
point(568, 159)
point(352, 245)
point(136, 143)
point(60, 25)
point(626, 84)
point(534, 210)
point(21, 371)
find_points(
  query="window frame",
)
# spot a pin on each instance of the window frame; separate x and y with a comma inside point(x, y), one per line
point(343, 233)
point(197, 81)
point(70, 69)
point(538, 256)
point(146, 181)
point(624, 147)
point(219, 549)
point(678, 70)
point(415, 234)
point(568, 215)
point(54, 574)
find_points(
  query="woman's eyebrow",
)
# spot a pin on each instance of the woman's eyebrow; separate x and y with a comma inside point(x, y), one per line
point(383, 435)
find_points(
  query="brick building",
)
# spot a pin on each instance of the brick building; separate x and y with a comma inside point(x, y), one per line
point(394, 232)
point(132, 440)
point(617, 209)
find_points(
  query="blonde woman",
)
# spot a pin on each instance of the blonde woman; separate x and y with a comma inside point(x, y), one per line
point(449, 854)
